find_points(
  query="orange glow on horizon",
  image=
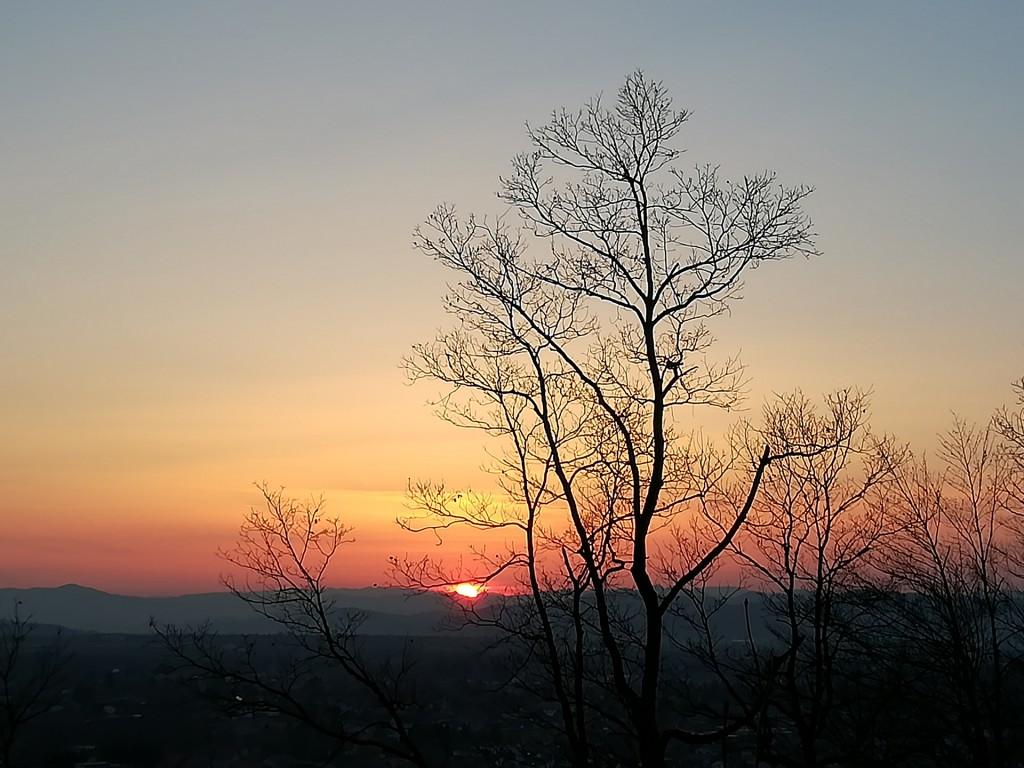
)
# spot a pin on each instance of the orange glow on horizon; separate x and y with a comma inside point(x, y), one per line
point(233, 305)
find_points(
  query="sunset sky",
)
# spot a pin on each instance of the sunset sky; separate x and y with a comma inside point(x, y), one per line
point(205, 239)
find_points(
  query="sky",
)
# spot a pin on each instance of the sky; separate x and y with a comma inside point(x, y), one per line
point(207, 276)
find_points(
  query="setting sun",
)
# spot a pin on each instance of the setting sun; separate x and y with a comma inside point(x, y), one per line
point(469, 590)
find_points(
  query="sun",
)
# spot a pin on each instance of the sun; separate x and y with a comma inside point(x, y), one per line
point(469, 590)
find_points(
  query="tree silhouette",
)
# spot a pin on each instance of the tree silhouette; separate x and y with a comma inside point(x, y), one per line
point(284, 551)
point(953, 619)
point(581, 341)
point(1009, 425)
point(805, 547)
point(30, 673)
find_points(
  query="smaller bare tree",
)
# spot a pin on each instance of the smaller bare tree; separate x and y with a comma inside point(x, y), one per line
point(30, 674)
point(953, 610)
point(284, 552)
point(818, 515)
point(1009, 423)
point(1009, 426)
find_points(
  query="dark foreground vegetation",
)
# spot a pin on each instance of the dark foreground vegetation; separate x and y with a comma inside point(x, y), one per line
point(122, 700)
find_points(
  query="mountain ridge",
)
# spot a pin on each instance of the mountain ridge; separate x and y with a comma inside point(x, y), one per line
point(388, 611)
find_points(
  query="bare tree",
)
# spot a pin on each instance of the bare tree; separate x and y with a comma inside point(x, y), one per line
point(585, 356)
point(816, 519)
point(953, 613)
point(284, 553)
point(30, 674)
point(1009, 425)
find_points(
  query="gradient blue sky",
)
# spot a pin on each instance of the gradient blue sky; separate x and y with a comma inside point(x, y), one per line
point(206, 208)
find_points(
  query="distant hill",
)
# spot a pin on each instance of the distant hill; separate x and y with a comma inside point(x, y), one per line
point(389, 611)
